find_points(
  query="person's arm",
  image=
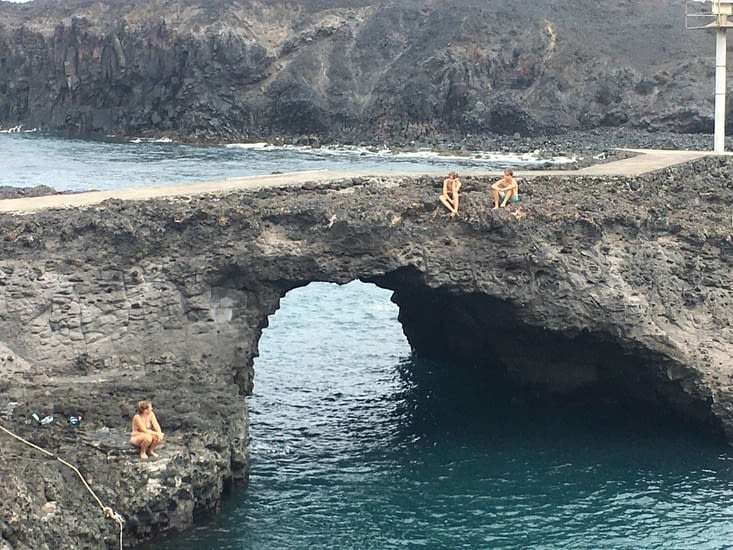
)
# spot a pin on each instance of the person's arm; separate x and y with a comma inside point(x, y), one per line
point(156, 426)
point(504, 186)
point(457, 186)
point(496, 186)
point(138, 425)
point(445, 187)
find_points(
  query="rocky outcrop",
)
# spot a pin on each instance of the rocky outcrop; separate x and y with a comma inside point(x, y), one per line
point(352, 70)
point(590, 288)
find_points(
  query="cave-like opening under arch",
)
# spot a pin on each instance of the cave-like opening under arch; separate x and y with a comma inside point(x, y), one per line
point(567, 368)
point(356, 443)
point(483, 339)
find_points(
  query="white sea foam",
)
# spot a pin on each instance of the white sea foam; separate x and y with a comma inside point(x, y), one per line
point(151, 140)
point(473, 157)
point(256, 146)
point(17, 130)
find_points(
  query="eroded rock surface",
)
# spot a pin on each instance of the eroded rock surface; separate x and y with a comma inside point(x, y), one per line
point(352, 70)
point(601, 287)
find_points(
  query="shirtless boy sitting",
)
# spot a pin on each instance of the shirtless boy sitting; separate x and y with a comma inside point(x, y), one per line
point(451, 188)
point(505, 190)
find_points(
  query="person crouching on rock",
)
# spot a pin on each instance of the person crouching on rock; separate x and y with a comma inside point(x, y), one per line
point(505, 190)
point(146, 433)
point(449, 198)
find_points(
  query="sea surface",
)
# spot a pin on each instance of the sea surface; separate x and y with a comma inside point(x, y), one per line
point(356, 444)
point(28, 159)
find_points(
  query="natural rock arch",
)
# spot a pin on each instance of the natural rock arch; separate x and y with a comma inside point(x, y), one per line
point(593, 293)
point(568, 364)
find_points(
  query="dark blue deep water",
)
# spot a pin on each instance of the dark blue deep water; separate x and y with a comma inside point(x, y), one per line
point(356, 444)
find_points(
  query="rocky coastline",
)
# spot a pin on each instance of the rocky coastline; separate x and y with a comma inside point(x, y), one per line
point(351, 72)
point(614, 288)
point(166, 299)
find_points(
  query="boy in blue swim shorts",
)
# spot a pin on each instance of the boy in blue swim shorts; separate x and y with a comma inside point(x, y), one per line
point(505, 190)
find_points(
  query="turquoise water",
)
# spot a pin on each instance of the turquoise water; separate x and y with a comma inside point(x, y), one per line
point(357, 445)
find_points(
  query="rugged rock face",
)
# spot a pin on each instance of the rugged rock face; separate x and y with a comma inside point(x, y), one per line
point(352, 69)
point(605, 288)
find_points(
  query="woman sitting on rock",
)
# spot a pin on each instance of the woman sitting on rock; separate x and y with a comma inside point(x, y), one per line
point(146, 433)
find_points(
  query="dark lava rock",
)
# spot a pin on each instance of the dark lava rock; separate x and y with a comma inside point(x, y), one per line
point(607, 288)
point(352, 70)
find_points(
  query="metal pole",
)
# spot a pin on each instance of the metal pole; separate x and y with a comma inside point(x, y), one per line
point(720, 78)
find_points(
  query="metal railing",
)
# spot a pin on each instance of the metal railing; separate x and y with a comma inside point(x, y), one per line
point(708, 14)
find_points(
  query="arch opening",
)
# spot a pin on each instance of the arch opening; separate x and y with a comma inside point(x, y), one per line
point(574, 368)
point(357, 442)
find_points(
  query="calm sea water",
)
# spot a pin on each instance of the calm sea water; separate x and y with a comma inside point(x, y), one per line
point(355, 444)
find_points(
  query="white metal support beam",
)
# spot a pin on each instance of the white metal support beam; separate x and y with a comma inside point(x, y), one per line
point(721, 45)
point(714, 14)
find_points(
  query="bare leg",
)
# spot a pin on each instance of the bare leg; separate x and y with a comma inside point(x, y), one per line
point(153, 445)
point(142, 441)
point(144, 446)
point(496, 198)
point(447, 203)
point(507, 197)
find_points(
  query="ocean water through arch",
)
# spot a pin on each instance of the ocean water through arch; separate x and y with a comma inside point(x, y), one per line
point(357, 444)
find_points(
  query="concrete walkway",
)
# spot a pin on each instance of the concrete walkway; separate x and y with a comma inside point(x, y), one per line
point(643, 162)
point(646, 160)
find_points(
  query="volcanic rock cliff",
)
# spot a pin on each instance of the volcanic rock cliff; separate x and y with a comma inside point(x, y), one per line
point(352, 69)
point(601, 288)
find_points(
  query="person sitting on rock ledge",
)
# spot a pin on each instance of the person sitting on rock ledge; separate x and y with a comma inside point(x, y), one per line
point(146, 433)
point(449, 198)
point(505, 190)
